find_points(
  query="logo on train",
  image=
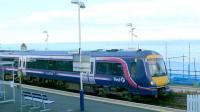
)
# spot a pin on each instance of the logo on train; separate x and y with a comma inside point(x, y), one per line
point(119, 79)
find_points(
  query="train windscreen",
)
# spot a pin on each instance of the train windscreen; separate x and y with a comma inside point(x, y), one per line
point(157, 67)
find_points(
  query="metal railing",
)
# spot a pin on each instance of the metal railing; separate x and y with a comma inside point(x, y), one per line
point(193, 74)
point(183, 72)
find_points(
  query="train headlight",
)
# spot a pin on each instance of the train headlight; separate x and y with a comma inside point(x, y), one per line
point(152, 83)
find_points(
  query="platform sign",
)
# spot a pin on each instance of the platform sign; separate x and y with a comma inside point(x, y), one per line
point(85, 65)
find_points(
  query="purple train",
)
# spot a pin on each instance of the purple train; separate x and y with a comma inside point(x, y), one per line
point(136, 72)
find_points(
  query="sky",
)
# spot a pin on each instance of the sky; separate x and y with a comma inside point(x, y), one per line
point(101, 20)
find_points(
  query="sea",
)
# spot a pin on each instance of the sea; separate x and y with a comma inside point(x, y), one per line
point(171, 50)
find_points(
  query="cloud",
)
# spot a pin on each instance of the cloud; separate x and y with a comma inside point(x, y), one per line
point(143, 9)
point(106, 20)
point(2, 25)
point(122, 12)
point(47, 16)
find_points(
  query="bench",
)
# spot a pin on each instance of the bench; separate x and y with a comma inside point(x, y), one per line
point(37, 97)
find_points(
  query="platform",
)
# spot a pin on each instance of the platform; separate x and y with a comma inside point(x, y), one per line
point(69, 102)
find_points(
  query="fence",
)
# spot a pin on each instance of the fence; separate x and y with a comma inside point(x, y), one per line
point(181, 72)
point(184, 79)
point(184, 74)
point(193, 103)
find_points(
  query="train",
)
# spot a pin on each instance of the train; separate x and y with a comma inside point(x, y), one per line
point(139, 72)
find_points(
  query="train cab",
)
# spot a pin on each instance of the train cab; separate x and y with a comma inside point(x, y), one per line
point(157, 70)
point(150, 74)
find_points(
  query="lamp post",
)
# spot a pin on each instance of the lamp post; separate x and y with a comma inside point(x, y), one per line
point(46, 39)
point(131, 32)
point(80, 5)
point(189, 60)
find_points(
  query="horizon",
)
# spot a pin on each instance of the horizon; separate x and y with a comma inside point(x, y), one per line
point(174, 48)
point(134, 41)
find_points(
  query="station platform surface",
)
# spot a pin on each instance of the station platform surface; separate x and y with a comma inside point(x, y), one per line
point(65, 102)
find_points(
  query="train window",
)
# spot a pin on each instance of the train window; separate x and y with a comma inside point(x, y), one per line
point(31, 65)
point(102, 68)
point(64, 66)
point(109, 68)
point(117, 69)
point(157, 67)
point(41, 64)
point(133, 68)
point(8, 59)
point(51, 65)
point(15, 63)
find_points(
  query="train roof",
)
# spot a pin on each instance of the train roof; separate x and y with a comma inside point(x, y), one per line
point(109, 53)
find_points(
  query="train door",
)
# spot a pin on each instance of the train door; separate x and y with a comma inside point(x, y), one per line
point(88, 77)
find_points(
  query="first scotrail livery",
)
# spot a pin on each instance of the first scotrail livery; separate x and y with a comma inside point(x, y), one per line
point(140, 72)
